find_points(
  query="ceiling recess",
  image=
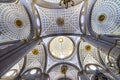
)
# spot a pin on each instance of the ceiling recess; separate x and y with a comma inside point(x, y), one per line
point(15, 22)
point(105, 18)
point(61, 47)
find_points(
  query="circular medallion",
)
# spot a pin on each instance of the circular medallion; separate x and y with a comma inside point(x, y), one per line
point(105, 18)
point(18, 23)
point(61, 47)
point(60, 21)
point(88, 48)
point(35, 51)
point(14, 21)
point(102, 17)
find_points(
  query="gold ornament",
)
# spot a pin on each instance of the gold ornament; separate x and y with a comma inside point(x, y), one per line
point(18, 23)
point(60, 40)
point(60, 21)
point(35, 51)
point(88, 48)
point(64, 69)
point(66, 3)
point(102, 18)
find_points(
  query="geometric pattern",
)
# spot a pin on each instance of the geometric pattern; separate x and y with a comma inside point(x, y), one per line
point(49, 16)
point(111, 9)
point(36, 60)
point(71, 73)
point(88, 57)
point(9, 13)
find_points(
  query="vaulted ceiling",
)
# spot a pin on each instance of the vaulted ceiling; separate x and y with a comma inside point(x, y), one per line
point(61, 32)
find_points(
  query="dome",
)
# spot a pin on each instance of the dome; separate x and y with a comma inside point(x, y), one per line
point(59, 39)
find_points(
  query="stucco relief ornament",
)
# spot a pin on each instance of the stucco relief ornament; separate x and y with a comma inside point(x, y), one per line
point(66, 3)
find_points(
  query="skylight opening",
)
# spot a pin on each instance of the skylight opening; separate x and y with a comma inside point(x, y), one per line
point(92, 67)
point(34, 71)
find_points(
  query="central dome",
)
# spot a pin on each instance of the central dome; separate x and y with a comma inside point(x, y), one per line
point(61, 47)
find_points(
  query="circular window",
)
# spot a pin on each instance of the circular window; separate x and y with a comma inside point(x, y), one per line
point(92, 67)
point(34, 71)
point(61, 47)
point(31, 74)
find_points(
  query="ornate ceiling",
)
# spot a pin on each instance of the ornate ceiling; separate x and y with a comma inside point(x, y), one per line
point(53, 4)
point(105, 19)
point(15, 23)
point(62, 53)
point(49, 20)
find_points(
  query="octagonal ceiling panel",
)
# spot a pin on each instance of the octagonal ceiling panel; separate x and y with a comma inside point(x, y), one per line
point(60, 21)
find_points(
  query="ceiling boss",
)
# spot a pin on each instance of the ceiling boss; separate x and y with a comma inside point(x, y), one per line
point(66, 3)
